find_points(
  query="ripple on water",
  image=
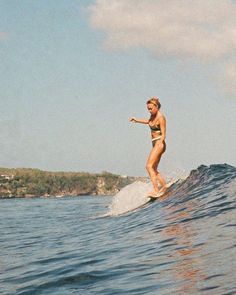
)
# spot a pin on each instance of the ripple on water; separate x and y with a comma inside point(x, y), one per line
point(183, 243)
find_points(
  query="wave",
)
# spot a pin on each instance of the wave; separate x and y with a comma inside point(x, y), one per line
point(210, 181)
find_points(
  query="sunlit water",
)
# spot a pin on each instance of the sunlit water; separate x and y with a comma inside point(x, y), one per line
point(184, 243)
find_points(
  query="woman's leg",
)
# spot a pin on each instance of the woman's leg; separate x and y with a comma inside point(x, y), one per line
point(161, 181)
point(159, 177)
point(152, 162)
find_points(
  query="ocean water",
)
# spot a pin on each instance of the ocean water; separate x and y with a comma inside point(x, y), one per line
point(183, 243)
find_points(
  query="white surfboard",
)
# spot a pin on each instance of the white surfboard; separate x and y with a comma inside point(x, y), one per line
point(162, 193)
point(157, 196)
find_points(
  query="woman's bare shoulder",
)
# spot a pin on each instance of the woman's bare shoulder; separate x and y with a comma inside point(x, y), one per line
point(161, 116)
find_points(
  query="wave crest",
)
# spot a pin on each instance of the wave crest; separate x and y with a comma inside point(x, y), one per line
point(200, 182)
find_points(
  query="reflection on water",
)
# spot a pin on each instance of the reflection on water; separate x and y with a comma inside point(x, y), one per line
point(187, 269)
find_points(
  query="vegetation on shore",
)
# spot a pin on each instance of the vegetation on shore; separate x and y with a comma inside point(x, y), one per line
point(24, 182)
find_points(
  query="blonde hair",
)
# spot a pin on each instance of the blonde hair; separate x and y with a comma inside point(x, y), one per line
point(154, 100)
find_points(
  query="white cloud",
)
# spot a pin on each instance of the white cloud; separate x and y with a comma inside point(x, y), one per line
point(197, 29)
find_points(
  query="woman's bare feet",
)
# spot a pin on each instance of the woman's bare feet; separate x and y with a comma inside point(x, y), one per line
point(157, 194)
point(163, 190)
point(153, 194)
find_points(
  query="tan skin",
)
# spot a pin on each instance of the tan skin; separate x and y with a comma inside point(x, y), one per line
point(159, 147)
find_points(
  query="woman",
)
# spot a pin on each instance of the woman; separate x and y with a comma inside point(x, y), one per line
point(157, 124)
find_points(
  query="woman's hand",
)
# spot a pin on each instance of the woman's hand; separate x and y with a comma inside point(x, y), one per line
point(142, 121)
point(133, 120)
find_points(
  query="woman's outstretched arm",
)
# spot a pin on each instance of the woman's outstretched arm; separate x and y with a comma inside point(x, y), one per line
point(142, 121)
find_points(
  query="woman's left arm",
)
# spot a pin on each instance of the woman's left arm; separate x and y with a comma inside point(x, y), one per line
point(162, 121)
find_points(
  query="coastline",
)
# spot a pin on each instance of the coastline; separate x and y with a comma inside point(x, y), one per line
point(33, 183)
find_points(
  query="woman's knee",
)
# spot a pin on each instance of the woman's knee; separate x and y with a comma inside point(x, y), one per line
point(149, 167)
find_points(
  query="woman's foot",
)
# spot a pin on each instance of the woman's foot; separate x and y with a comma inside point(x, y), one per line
point(153, 194)
point(157, 194)
point(163, 190)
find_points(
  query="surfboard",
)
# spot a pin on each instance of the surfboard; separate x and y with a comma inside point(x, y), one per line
point(154, 198)
point(169, 186)
point(162, 193)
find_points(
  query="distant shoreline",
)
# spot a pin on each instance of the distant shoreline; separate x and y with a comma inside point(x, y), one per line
point(33, 183)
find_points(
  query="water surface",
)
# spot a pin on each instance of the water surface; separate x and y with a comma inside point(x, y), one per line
point(184, 243)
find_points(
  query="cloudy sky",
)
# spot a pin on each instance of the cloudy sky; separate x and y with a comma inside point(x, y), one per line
point(73, 72)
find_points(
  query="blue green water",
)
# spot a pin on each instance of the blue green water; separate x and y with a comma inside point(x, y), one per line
point(184, 243)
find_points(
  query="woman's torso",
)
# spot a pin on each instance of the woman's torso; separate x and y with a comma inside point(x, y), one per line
point(155, 128)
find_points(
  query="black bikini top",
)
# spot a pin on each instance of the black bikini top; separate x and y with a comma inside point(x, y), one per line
point(155, 127)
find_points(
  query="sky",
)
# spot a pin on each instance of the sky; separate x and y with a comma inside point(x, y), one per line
point(73, 72)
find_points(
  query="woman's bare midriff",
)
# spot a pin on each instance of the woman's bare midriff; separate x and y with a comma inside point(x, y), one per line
point(155, 134)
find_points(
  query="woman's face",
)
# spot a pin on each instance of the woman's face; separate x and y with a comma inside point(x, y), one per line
point(152, 108)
